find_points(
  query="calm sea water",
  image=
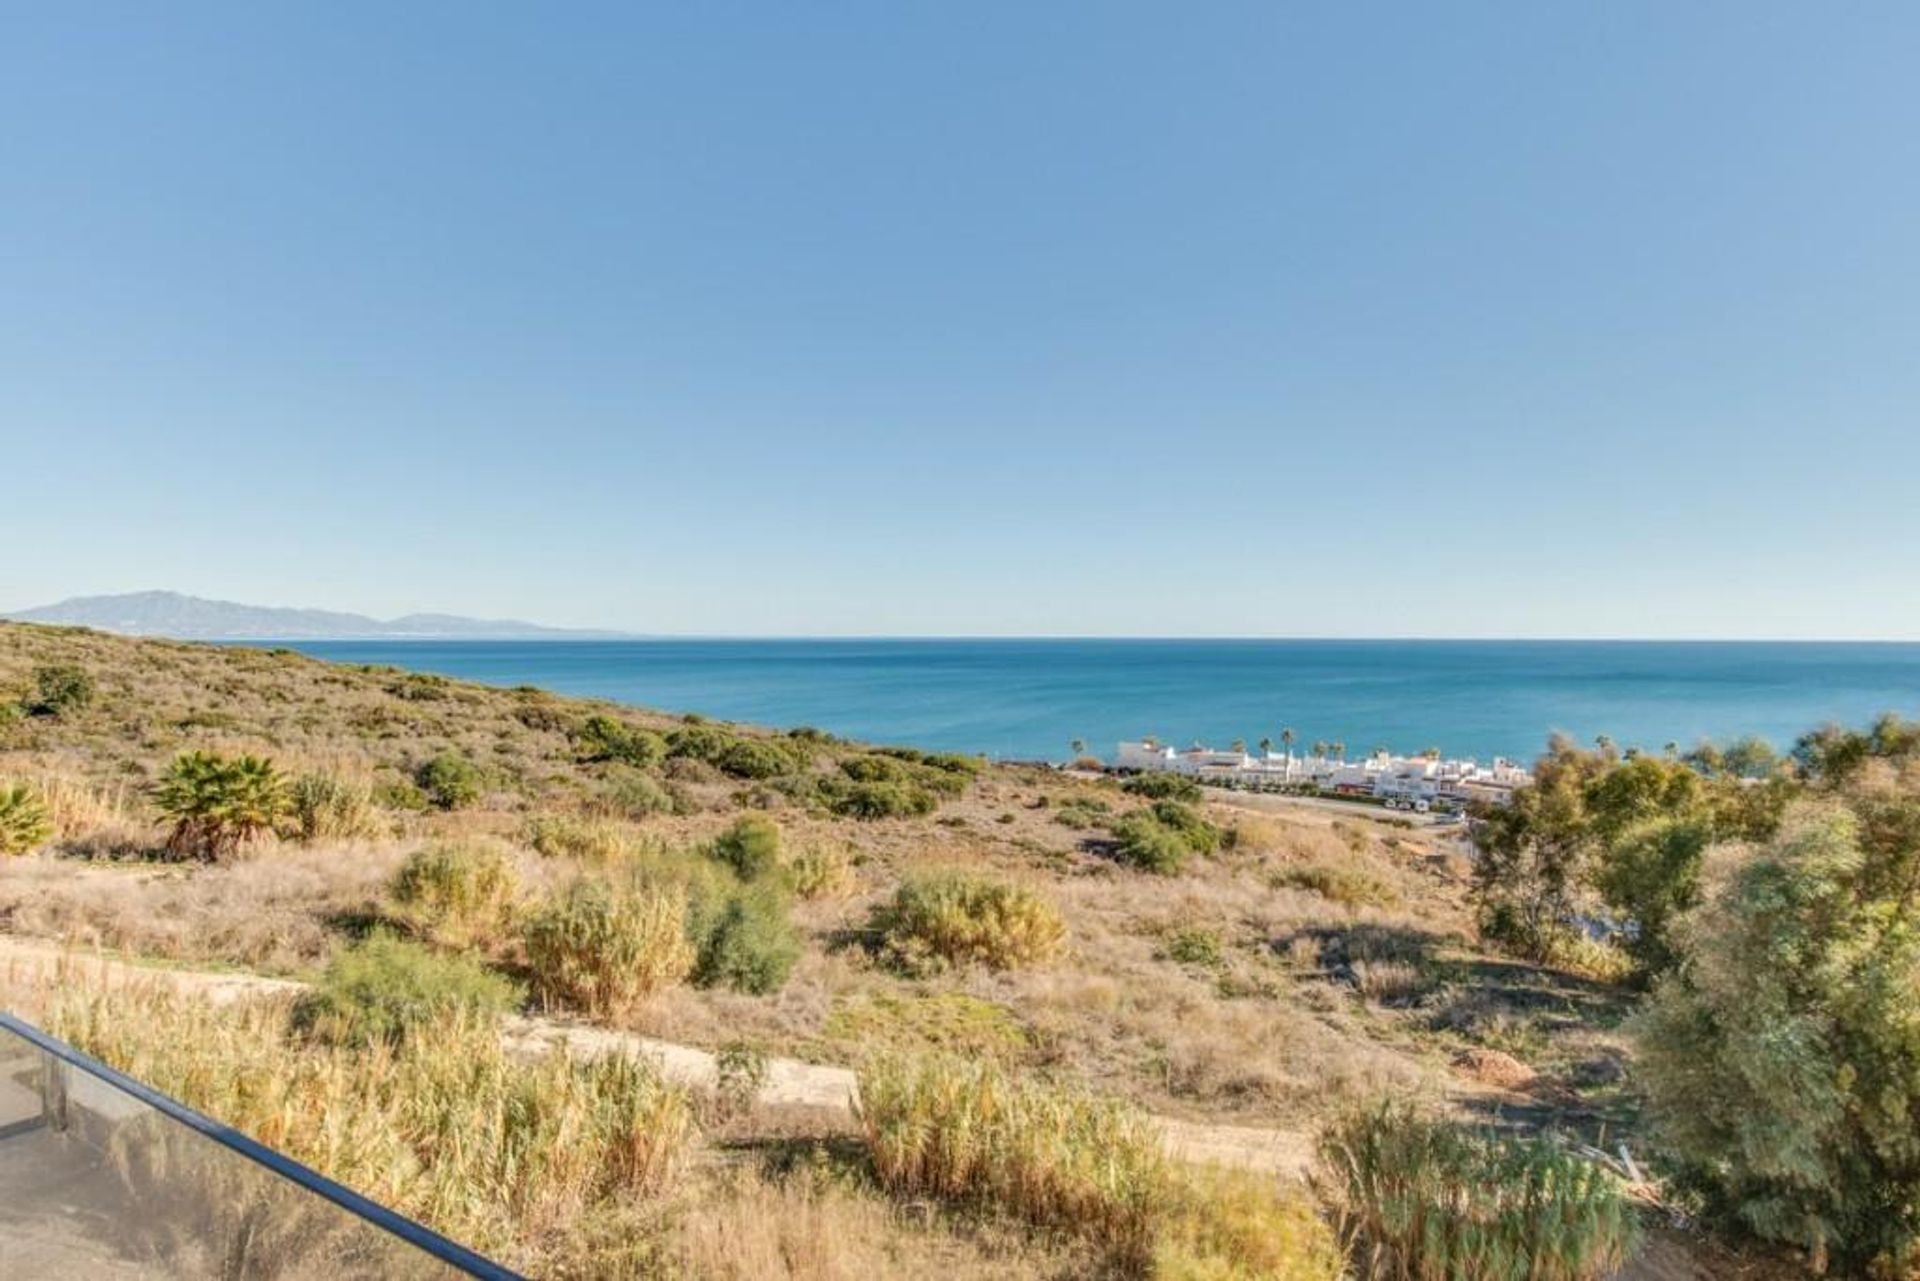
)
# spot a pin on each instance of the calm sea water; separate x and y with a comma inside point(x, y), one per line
point(1031, 698)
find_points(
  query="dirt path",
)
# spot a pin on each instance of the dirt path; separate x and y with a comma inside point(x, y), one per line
point(790, 1085)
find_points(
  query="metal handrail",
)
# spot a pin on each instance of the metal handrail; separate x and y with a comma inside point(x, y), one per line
point(423, 1238)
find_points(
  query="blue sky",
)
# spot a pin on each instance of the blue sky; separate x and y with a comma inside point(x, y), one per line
point(1467, 319)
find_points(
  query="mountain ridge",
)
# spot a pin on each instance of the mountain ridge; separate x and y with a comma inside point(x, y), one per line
point(176, 616)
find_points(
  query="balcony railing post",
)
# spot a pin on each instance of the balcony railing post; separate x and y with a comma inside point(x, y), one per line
point(53, 1091)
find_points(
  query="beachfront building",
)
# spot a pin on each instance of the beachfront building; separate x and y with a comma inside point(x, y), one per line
point(1383, 776)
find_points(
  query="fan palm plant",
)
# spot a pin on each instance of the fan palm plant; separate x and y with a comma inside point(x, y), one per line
point(217, 804)
point(23, 819)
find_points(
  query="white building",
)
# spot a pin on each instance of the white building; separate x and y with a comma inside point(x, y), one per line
point(1382, 775)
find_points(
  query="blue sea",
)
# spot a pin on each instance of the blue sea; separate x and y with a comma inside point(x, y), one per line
point(1031, 698)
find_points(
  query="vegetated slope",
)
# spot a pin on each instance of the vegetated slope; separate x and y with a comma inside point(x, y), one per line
point(762, 892)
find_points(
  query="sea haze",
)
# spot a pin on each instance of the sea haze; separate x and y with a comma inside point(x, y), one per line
point(1031, 698)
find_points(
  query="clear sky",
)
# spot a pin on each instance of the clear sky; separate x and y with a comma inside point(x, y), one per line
point(1262, 319)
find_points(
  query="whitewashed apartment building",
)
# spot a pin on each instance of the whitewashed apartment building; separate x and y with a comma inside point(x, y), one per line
point(1383, 775)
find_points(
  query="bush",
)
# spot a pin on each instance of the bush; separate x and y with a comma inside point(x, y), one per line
point(604, 951)
point(1201, 836)
point(745, 942)
point(602, 738)
point(1194, 947)
point(217, 804)
point(699, 741)
point(601, 842)
point(449, 781)
point(60, 689)
point(1143, 841)
point(873, 801)
point(1163, 787)
point(458, 895)
point(1781, 1060)
point(24, 822)
point(1416, 1198)
point(634, 795)
point(327, 808)
point(760, 758)
point(821, 871)
point(968, 1132)
point(1351, 887)
point(385, 989)
point(956, 918)
point(751, 847)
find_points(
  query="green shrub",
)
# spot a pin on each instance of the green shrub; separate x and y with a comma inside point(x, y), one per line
point(630, 794)
point(744, 940)
point(217, 804)
point(751, 847)
point(1163, 787)
point(1417, 1198)
point(1201, 836)
point(458, 894)
point(957, 918)
point(699, 741)
point(60, 689)
point(449, 781)
point(760, 758)
point(24, 822)
point(873, 801)
point(325, 807)
point(602, 738)
point(604, 951)
point(384, 989)
point(1082, 812)
point(1781, 1059)
point(1194, 947)
point(1143, 841)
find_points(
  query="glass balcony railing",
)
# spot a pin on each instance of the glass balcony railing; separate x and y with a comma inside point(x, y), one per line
point(101, 1177)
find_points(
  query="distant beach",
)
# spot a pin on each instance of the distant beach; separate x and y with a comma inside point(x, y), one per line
point(1032, 698)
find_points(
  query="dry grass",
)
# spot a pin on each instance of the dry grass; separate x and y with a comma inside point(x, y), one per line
point(277, 913)
point(604, 951)
point(459, 894)
point(1089, 1168)
point(507, 1155)
point(811, 1226)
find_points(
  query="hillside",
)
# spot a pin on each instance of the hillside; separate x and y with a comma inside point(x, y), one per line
point(172, 615)
point(1282, 964)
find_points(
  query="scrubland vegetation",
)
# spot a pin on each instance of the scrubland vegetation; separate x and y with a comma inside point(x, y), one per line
point(1063, 997)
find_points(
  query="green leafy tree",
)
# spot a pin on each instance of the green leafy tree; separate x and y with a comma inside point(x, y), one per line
point(23, 819)
point(1781, 1059)
point(217, 803)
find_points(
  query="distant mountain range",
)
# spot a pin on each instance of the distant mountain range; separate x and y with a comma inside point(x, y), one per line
point(193, 618)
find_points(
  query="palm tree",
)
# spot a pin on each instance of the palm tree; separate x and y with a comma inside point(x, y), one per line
point(1338, 748)
point(1266, 747)
point(1078, 747)
point(1287, 736)
point(1319, 748)
point(217, 804)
